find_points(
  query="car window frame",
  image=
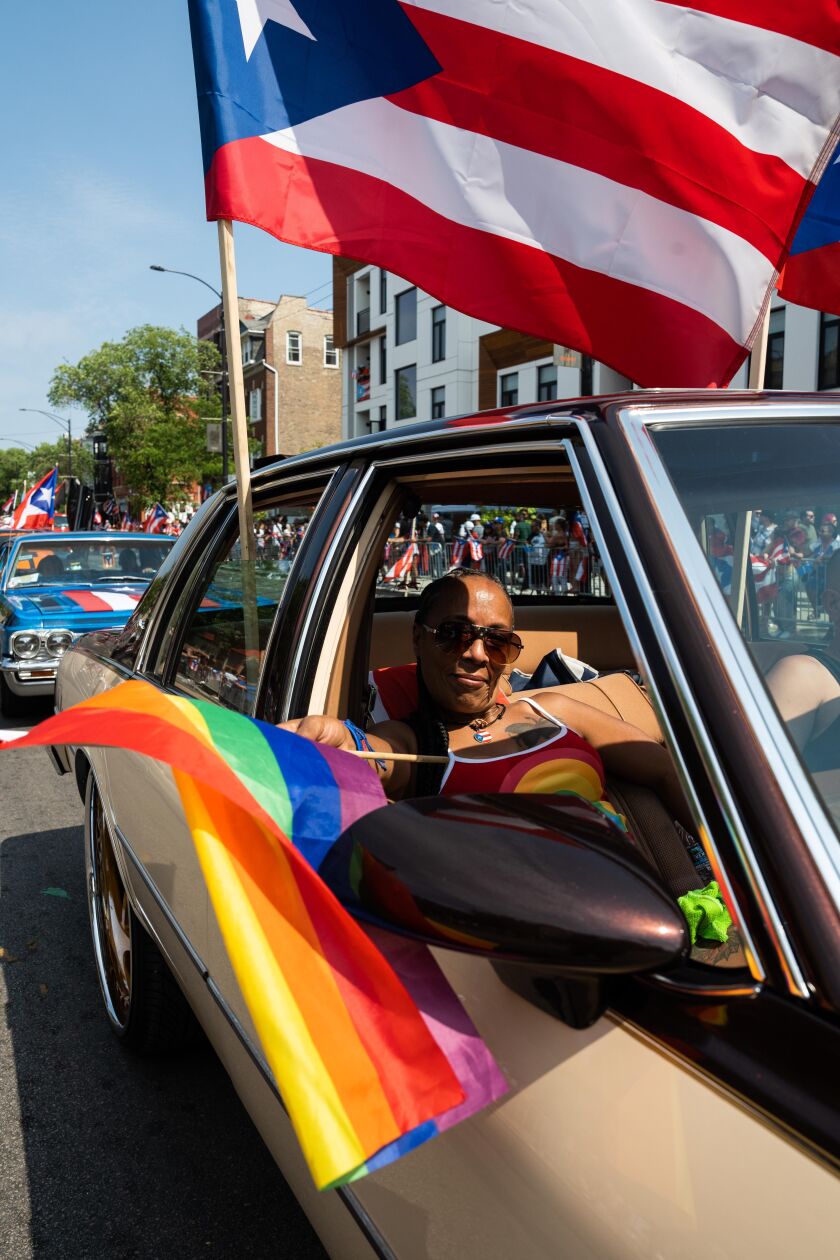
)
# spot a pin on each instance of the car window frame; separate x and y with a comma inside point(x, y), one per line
point(382, 469)
point(162, 658)
point(708, 980)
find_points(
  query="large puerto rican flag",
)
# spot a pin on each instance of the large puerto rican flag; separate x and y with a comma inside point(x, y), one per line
point(623, 177)
point(811, 275)
point(37, 508)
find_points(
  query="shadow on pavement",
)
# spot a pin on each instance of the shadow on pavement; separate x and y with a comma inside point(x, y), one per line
point(124, 1157)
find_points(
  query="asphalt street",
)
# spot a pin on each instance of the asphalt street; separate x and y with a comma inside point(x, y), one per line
point(104, 1154)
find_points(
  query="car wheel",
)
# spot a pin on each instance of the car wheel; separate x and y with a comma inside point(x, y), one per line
point(11, 704)
point(145, 1006)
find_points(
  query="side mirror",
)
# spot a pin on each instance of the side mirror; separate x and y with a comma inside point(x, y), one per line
point(526, 879)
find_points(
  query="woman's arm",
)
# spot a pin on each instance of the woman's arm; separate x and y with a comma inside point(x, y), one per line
point(626, 751)
point(385, 737)
point(800, 685)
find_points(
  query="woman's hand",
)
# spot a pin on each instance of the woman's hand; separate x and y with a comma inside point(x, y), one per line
point(386, 737)
point(321, 729)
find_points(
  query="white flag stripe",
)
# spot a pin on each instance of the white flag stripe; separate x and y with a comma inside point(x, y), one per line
point(116, 601)
point(759, 85)
point(511, 192)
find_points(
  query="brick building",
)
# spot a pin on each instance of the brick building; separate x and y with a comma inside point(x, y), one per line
point(291, 369)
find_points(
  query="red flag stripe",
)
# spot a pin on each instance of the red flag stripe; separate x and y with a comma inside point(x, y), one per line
point(338, 211)
point(759, 84)
point(812, 21)
point(564, 107)
point(87, 600)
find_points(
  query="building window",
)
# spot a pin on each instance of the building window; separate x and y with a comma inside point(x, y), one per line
point(546, 382)
point(383, 360)
point(383, 418)
point(383, 291)
point(405, 380)
point(255, 403)
point(775, 362)
point(406, 316)
point(509, 389)
point(586, 373)
point(829, 371)
point(438, 334)
point(294, 347)
point(248, 350)
point(330, 353)
point(438, 402)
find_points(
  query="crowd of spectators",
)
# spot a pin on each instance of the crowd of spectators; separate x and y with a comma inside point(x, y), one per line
point(539, 551)
point(789, 552)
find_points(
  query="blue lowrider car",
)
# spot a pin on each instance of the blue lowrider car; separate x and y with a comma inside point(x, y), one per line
point(56, 587)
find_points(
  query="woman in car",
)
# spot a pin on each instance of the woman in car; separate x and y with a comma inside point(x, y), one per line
point(463, 641)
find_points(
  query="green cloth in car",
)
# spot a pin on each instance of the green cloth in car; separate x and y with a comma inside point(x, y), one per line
point(706, 913)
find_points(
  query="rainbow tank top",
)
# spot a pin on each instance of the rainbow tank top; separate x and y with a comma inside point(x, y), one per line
point(565, 764)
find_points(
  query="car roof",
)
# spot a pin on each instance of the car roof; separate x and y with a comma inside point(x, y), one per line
point(603, 408)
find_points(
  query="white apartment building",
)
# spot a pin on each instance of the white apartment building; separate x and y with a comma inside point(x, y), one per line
point(408, 357)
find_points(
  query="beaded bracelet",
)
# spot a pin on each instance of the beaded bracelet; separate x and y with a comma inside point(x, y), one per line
point(361, 741)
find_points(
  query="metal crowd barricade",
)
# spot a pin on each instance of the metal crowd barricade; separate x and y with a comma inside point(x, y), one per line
point(522, 568)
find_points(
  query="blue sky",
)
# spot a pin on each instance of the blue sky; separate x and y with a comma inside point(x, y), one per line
point(101, 177)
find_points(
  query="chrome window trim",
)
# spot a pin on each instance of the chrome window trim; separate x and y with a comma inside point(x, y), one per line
point(506, 448)
point(813, 817)
point(649, 414)
point(680, 683)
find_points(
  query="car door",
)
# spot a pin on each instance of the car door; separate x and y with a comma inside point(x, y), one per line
point(613, 1140)
point(205, 648)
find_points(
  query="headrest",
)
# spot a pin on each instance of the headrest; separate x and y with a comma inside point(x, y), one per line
point(396, 692)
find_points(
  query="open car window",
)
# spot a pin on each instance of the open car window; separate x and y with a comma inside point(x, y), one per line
point(764, 501)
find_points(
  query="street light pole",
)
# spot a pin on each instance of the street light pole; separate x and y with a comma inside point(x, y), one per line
point(66, 423)
point(172, 272)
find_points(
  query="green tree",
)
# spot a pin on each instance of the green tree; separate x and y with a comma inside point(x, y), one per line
point(18, 465)
point(14, 466)
point(151, 395)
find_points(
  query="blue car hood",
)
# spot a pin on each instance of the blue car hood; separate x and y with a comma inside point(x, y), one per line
point(77, 608)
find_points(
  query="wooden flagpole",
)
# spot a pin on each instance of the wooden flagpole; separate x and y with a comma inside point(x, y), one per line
point(241, 459)
point(758, 356)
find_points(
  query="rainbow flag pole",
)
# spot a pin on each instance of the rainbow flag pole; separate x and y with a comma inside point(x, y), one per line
point(371, 1049)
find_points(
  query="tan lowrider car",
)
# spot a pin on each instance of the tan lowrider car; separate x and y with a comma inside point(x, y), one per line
point(688, 1112)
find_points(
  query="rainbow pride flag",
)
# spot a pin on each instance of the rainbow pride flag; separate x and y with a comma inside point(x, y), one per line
point(372, 1055)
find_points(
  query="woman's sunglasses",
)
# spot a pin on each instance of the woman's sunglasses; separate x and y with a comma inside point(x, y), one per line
point(454, 638)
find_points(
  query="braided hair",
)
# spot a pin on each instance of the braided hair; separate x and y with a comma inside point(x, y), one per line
point(430, 731)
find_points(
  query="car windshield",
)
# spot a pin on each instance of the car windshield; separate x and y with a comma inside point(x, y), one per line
point(123, 558)
point(764, 502)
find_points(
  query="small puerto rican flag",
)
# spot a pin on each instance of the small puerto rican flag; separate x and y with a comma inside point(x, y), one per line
point(402, 565)
point(506, 549)
point(459, 551)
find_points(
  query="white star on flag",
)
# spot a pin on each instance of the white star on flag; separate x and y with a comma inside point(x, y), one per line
point(253, 15)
